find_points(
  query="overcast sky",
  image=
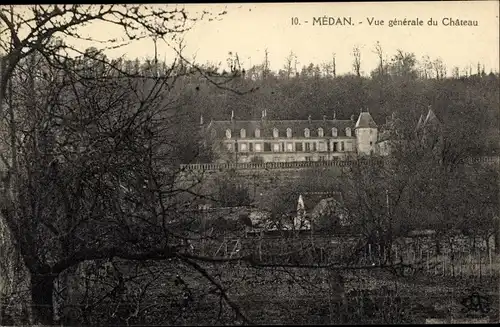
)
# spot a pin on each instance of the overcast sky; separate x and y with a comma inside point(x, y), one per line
point(249, 29)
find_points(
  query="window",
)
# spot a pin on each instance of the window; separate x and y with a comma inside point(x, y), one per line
point(229, 146)
point(298, 147)
point(322, 146)
point(308, 147)
point(371, 143)
point(243, 147)
point(289, 146)
point(250, 147)
point(320, 132)
point(243, 133)
point(307, 133)
point(258, 147)
point(334, 132)
point(308, 159)
point(314, 147)
point(342, 146)
point(228, 133)
point(348, 132)
point(275, 132)
point(335, 147)
point(322, 158)
point(288, 132)
point(276, 147)
point(257, 132)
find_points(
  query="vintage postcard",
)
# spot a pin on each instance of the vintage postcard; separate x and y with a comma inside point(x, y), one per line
point(250, 163)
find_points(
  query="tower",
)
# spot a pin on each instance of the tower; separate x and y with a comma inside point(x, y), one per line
point(366, 133)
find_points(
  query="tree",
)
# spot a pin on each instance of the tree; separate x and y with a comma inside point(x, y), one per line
point(403, 65)
point(356, 63)
point(266, 71)
point(231, 194)
point(380, 54)
point(439, 68)
point(290, 61)
point(334, 66)
point(95, 150)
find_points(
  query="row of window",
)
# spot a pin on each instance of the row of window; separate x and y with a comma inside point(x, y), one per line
point(307, 132)
point(291, 147)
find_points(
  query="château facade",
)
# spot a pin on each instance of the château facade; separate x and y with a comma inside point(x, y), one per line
point(265, 140)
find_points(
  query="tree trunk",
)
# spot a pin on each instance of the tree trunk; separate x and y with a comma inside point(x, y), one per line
point(42, 288)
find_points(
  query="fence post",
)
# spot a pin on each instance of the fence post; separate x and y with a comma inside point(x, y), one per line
point(480, 265)
point(452, 262)
point(460, 260)
point(427, 261)
point(491, 266)
point(471, 265)
point(370, 252)
point(260, 247)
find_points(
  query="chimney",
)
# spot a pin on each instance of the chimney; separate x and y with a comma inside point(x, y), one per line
point(352, 118)
point(324, 117)
point(201, 119)
point(232, 115)
point(309, 118)
point(334, 115)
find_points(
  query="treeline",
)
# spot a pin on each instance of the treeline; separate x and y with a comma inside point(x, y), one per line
point(402, 86)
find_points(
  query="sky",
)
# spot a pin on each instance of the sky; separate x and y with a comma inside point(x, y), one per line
point(249, 29)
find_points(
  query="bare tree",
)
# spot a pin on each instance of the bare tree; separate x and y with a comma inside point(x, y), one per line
point(403, 65)
point(380, 54)
point(289, 64)
point(439, 68)
point(266, 71)
point(356, 64)
point(55, 136)
point(334, 66)
point(426, 67)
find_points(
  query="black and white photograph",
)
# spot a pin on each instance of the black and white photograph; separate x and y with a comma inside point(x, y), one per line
point(213, 164)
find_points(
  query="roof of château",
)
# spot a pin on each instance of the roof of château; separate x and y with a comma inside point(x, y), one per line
point(266, 127)
point(365, 120)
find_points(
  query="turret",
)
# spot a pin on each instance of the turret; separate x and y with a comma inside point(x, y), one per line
point(366, 133)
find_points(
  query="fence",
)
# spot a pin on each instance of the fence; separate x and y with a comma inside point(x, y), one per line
point(275, 165)
point(311, 164)
point(464, 262)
